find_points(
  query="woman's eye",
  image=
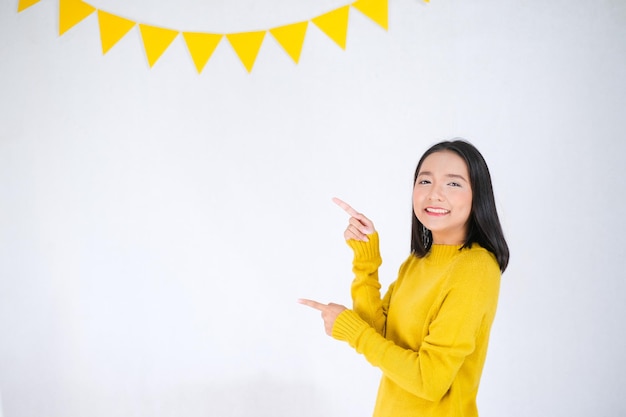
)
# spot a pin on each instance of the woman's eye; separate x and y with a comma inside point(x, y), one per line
point(424, 182)
point(454, 184)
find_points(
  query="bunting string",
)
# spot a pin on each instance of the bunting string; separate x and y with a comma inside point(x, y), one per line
point(201, 45)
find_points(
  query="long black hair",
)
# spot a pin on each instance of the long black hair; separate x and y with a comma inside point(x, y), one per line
point(483, 224)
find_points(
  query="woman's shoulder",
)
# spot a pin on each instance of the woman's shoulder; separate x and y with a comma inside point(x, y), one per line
point(477, 263)
point(476, 253)
point(410, 261)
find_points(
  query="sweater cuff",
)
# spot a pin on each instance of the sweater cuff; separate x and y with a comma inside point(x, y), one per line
point(365, 251)
point(348, 326)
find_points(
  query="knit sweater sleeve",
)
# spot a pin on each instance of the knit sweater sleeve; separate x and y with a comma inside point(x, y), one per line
point(365, 288)
point(465, 311)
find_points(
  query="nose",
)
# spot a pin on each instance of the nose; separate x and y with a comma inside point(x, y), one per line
point(435, 194)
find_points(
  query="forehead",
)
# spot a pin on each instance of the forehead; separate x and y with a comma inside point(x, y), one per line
point(444, 163)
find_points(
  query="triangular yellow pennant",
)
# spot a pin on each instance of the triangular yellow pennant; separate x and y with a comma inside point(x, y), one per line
point(201, 47)
point(72, 12)
point(25, 4)
point(112, 29)
point(291, 38)
point(377, 10)
point(247, 45)
point(155, 41)
point(335, 25)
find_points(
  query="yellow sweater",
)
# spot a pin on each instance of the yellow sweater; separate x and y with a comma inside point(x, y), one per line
point(429, 333)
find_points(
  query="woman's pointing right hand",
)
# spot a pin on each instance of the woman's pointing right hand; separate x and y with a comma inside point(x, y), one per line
point(359, 226)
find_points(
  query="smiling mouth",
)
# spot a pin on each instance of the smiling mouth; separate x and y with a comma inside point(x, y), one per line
point(436, 210)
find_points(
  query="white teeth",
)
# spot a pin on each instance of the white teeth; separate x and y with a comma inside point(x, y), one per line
point(436, 210)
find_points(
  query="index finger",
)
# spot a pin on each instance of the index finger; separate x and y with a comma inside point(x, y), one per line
point(346, 207)
point(312, 304)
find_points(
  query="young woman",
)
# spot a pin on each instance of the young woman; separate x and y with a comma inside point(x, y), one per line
point(429, 333)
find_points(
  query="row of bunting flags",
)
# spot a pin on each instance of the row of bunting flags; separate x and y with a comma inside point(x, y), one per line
point(201, 45)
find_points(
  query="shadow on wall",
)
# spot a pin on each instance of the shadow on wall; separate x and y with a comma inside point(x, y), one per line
point(259, 397)
point(264, 398)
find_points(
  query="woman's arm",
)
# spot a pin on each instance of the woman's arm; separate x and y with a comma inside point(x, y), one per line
point(365, 287)
point(464, 317)
point(362, 238)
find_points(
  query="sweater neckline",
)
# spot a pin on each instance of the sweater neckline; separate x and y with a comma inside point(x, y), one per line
point(443, 253)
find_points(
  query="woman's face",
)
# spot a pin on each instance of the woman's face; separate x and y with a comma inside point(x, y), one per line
point(442, 197)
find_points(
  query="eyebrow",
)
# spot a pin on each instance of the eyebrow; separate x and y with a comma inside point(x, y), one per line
point(447, 175)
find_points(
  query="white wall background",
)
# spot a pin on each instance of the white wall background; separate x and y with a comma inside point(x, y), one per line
point(157, 226)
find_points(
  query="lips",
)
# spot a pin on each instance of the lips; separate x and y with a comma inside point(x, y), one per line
point(436, 210)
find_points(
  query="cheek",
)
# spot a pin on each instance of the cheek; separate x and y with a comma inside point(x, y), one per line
point(467, 206)
point(416, 204)
point(462, 202)
point(417, 199)
point(418, 194)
